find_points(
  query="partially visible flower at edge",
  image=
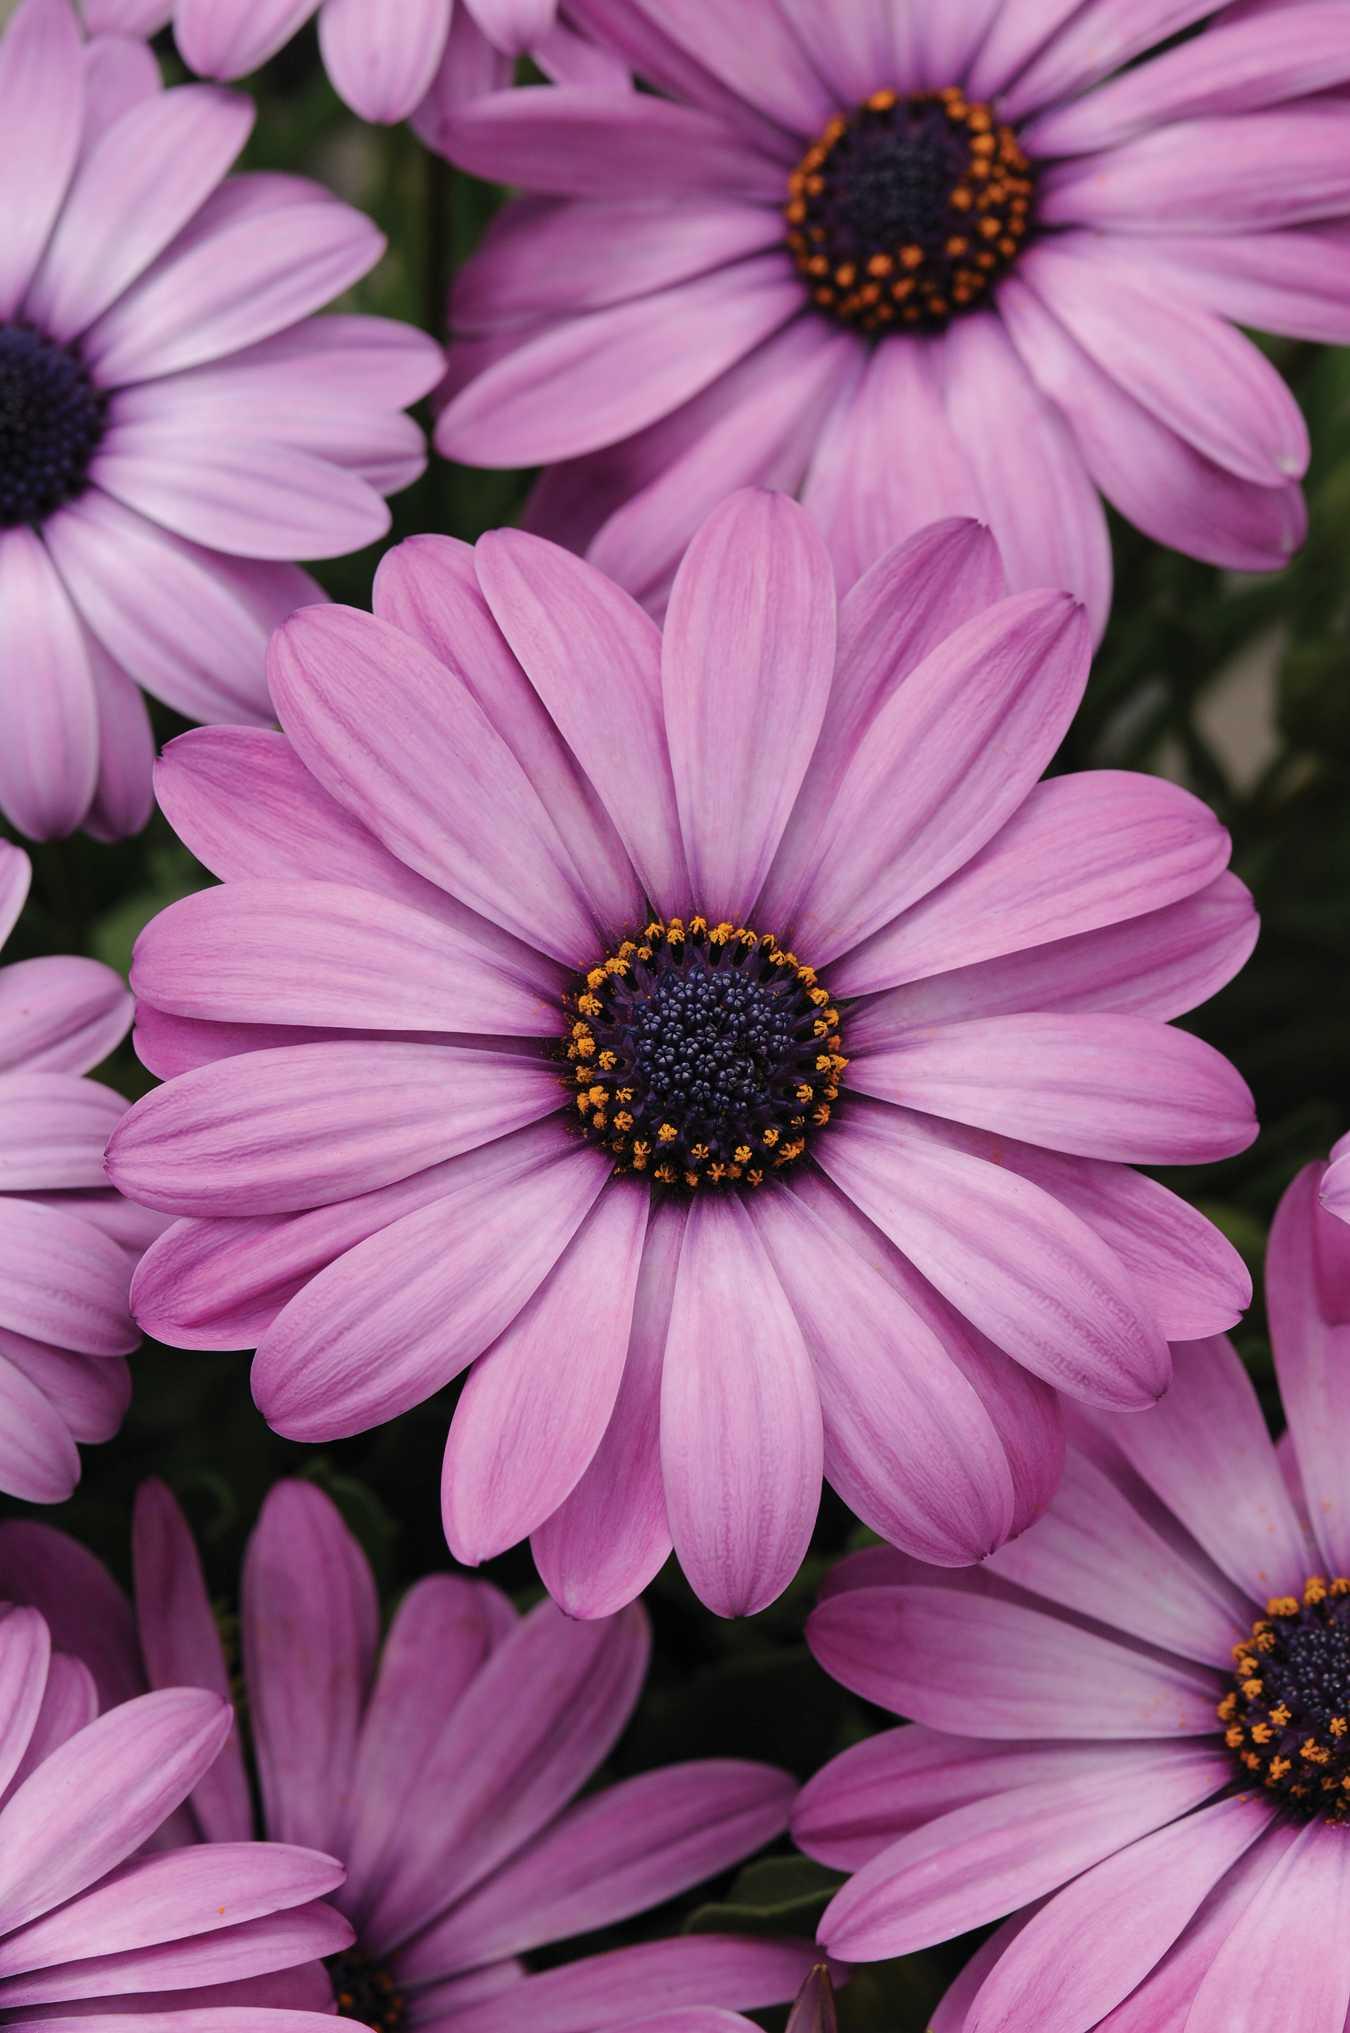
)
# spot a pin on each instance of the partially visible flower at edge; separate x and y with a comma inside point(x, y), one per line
point(1132, 1728)
point(986, 264)
point(104, 1914)
point(68, 1243)
point(176, 427)
point(442, 1768)
point(384, 57)
point(717, 1043)
point(1335, 1192)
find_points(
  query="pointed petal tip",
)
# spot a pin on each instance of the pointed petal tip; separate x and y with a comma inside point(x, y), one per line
point(814, 2010)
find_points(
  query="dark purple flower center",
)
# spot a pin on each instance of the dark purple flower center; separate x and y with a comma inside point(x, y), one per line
point(904, 213)
point(1288, 1715)
point(51, 420)
point(702, 1054)
point(366, 1992)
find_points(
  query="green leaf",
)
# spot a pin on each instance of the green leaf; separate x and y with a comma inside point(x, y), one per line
point(777, 1895)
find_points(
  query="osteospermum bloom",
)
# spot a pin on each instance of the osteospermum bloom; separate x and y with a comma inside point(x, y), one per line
point(975, 257)
point(175, 427)
point(68, 1244)
point(442, 1769)
point(1138, 1715)
point(104, 1927)
point(383, 56)
point(723, 1034)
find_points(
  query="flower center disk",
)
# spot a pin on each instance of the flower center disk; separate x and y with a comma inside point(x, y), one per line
point(51, 421)
point(904, 212)
point(703, 1054)
point(366, 1992)
point(1288, 1715)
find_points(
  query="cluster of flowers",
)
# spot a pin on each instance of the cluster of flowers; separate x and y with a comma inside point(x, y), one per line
point(650, 976)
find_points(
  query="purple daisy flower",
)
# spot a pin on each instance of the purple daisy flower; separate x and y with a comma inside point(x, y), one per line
point(105, 1925)
point(442, 1768)
point(383, 56)
point(1132, 1729)
point(68, 1244)
point(175, 427)
point(723, 1034)
point(969, 258)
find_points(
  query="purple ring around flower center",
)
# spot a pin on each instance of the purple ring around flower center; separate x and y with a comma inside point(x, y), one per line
point(363, 1990)
point(906, 211)
point(702, 1053)
point(1287, 1717)
point(51, 421)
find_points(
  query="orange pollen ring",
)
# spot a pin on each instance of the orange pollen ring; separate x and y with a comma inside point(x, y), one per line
point(702, 1054)
point(905, 212)
point(1286, 1718)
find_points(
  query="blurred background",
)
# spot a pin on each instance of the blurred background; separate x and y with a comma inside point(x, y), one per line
point(1239, 688)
